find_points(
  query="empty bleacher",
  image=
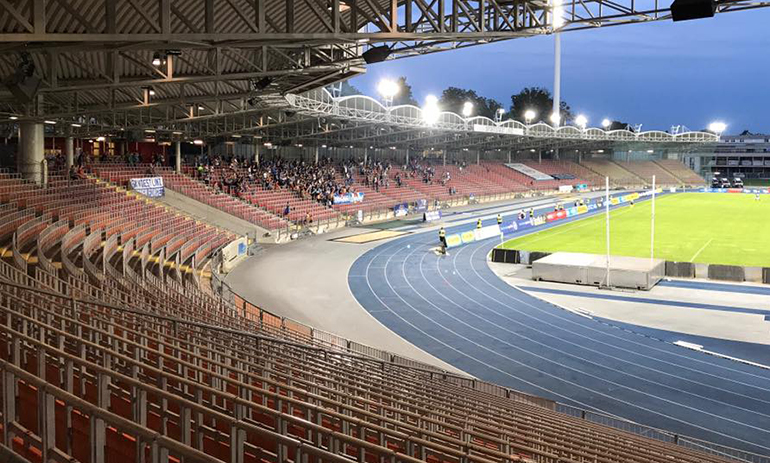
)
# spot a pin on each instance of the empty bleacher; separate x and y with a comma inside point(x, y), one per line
point(647, 169)
point(118, 353)
point(682, 173)
point(617, 174)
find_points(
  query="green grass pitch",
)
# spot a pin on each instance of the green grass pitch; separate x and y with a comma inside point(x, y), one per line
point(714, 228)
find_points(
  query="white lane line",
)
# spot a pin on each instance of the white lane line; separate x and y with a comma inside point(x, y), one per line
point(701, 249)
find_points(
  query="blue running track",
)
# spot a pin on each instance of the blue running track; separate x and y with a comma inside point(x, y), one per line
point(457, 309)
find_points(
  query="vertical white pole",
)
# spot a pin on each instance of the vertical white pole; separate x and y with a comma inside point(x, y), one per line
point(607, 209)
point(652, 225)
point(556, 73)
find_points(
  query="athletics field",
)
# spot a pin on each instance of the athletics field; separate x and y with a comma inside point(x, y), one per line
point(714, 228)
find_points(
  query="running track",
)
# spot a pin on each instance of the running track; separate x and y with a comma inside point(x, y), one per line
point(457, 309)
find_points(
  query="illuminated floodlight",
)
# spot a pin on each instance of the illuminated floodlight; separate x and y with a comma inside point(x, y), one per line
point(581, 121)
point(156, 61)
point(100, 139)
point(557, 13)
point(717, 127)
point(467, 109)
point(430, 110)
point(529, 115)
point(387, 88)
point(198, 142)
point(606, 123)
point(555, 119)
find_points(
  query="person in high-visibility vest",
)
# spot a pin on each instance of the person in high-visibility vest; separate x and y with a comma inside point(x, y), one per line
point(478, 224)
point(499, 219)
point(442, 238)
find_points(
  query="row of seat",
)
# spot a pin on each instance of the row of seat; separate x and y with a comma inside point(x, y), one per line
point(133, 360)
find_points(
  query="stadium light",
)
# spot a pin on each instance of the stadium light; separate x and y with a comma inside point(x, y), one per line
point(387, 89)
point(557, 13)
point(430, 110)
point(467, 109)
point(606, 123)
point(581, 121)
point(555, 119)
point(717, 127)
point(156, 61)
point(529, 115)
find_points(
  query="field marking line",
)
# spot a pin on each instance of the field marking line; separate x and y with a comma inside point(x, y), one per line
point(701, 249)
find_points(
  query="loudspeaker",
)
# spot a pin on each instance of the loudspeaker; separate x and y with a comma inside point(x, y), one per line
point(683, 10)
point(24, 89)
point(376, 54)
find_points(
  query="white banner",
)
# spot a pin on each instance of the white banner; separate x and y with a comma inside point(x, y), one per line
point(497, 129)
point(529, 171)
point(148, 186)
point(487, 232)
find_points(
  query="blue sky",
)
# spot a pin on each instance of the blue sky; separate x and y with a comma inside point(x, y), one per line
point(655, 74)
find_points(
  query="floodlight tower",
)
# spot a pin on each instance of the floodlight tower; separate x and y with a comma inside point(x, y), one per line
point(387, 89)
point(606, 123)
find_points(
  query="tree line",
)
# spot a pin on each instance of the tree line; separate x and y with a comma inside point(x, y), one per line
point(537, 99)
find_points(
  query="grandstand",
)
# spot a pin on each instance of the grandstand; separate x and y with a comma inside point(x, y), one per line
point(132, 359)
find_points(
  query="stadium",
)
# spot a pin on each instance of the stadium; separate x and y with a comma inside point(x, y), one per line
point(213, 250)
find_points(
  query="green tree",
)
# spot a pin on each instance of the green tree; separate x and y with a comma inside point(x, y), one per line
point(453, 99)
point(537, 99)
point(617, 125)
point(404, 95)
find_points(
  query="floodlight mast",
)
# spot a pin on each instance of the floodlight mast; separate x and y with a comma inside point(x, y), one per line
point(557, 21)
point(607, 210)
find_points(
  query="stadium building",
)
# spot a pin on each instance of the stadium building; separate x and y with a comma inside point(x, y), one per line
point(745, 156)
point(207, 254)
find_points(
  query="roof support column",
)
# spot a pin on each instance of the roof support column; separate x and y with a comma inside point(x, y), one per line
point(31, 151)
point(69, 151)
point(178, 160)
point(316, 155)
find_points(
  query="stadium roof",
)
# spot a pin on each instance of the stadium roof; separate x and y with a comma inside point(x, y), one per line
point(94, 58)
